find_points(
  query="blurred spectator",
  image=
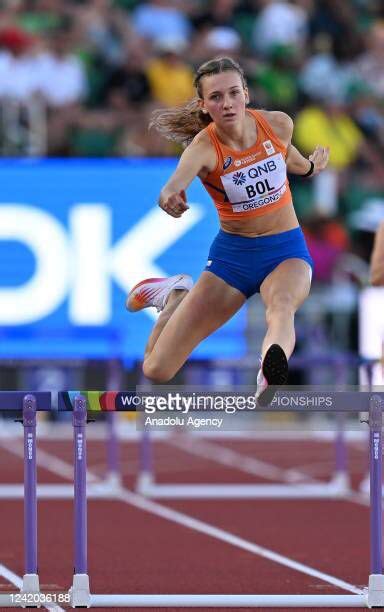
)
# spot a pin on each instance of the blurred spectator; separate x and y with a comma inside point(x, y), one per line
point(161, 19)
point(213, 41)
point(327, 241)
point(18, 78)
point(278, 79)
point(63, 86)
point(219, 13)
point(105, 30)
point(63, 77)
point(338, 21)
point(363, 225)
point(368, 113)
point(170, 77)
point(280, 23)
point(370, 65)
point(41, 16)
point(127, 86)
point(322, 77)
point(22, 117)
point(369, 216)
point(329, 125)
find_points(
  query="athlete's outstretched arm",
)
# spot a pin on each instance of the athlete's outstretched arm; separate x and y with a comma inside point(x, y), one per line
point(172, 196)
point(298, 164)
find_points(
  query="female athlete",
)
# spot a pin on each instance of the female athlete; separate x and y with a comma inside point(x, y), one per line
point(242, 157)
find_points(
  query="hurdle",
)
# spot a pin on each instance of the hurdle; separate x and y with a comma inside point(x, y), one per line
point(80, 594)
point(28, 404)
point(372, 596)
point(110, 486)
point(336, 488)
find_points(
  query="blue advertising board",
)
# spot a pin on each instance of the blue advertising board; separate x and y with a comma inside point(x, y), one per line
point(75, 236)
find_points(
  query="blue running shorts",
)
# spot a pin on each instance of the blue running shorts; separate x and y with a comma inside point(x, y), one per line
point(244, 262)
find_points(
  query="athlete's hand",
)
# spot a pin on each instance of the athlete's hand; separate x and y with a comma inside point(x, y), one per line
point(175, 204)
point(320, 158)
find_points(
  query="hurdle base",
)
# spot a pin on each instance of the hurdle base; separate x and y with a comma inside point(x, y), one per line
point(144, 483)
point(80, 596)
point(341, 482)
point(31, 584)
point(113, 481)
point(376, 591)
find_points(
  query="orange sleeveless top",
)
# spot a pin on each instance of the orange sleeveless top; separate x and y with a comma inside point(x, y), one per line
point(252, 182)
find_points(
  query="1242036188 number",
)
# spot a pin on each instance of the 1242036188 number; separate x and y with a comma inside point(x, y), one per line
point(39, 598)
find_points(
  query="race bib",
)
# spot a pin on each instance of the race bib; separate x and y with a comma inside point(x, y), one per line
point(257, 184)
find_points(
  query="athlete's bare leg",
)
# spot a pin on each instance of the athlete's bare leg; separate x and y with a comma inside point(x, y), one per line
point(209, 304)
point(283, 292)
point(174, 299)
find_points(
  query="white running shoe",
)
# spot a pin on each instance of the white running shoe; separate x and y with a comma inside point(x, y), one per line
point(273, 372)
point(155, 292)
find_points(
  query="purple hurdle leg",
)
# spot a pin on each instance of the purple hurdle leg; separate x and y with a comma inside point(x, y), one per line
point(112, 450)
point(145, 478)
point(30, 578)
point(341, 451)
point(368, 367)
point(113, 461)
point(376, 578)
point(146, 474)
point(80, 594)
point(341, 477)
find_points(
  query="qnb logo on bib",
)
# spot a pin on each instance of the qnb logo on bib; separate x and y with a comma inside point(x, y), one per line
point(256, 185)
point(239, 178)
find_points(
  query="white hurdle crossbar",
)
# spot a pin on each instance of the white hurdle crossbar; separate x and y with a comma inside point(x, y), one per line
point(210, 601)
point(242, 491)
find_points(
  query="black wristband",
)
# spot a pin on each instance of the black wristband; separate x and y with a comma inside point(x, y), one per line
point(310, 171)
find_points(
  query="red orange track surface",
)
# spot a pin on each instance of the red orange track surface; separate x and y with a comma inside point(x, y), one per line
point(135, 551)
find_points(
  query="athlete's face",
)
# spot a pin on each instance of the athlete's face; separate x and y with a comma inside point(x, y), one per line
point(224, 97)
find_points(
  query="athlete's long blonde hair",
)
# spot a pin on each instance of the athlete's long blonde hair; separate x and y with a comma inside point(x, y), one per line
point(182, 123)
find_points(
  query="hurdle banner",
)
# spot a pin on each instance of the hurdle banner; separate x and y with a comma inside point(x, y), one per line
point(99, 401)
point(80, 595)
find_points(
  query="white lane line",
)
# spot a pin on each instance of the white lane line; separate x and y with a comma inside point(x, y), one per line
point(321, 467)
point(249, 465)
point(11, 576)
point(18, 582)
point(190, 522)
point(234, 459)
point(220, 534)
point(43, 459)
